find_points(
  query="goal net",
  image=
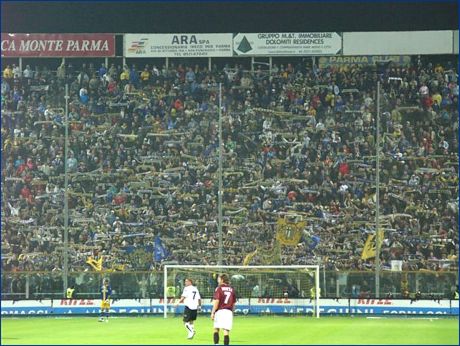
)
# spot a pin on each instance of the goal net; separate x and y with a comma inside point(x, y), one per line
point(260, 290)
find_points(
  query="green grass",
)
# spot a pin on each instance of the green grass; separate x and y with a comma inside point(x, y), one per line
point(246, 331)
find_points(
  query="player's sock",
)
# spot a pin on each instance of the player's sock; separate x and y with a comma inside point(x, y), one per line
point(226, 339)
point(191, 332)
point(216, 338)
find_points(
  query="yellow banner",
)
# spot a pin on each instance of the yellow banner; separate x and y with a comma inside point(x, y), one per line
point(95, 263)
point(370, 245)
point(289, 233)
point(264, 255)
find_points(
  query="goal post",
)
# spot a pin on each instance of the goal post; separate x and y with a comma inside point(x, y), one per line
point(260, 289)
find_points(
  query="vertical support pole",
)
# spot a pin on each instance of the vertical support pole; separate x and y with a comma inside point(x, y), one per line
point(65, 271)
point(220, 192)
point(337, 288)
point(124, 49)
point(317, 292)
point(165, 289)
point(27, 281)
point(377, 195)
point(324, 280)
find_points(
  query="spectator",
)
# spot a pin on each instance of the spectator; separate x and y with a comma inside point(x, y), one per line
point(145, 164)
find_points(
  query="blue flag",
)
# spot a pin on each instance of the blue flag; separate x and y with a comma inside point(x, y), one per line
point(159, 251)
point(313, 242)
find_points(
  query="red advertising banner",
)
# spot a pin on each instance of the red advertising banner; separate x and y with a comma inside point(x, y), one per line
point(58, 45)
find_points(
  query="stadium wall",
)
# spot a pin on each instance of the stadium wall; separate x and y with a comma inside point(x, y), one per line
point(255, 306)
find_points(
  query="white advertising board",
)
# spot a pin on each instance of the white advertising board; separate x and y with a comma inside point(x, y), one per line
point(178, 45)
point(398, 42)
point(287, 43)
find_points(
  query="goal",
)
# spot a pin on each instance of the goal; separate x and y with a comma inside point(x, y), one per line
point(260, 290)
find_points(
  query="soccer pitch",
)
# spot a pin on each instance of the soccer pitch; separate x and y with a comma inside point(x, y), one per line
point(247, 330)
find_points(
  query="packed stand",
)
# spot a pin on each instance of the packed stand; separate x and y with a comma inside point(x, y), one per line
point(299, 142)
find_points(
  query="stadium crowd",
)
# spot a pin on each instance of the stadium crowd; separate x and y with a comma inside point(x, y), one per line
point(299, 142)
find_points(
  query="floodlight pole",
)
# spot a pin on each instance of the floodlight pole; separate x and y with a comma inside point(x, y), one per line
point(65, 271)
point(377, 196)
point(220, 192)
point(378, 241)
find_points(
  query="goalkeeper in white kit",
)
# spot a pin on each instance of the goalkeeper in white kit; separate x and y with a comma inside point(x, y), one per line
point(192, 300)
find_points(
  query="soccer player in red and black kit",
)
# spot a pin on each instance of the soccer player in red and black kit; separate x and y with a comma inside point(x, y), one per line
point(222, 311)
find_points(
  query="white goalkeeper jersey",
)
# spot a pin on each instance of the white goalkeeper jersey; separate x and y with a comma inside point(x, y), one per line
point(192, 296)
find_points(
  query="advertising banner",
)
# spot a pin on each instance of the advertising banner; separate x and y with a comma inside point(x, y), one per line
point(26, 307)
point(58, 45)
point(398, 42)
point(92, 306)
point(287, 43)
point(403, 307)
point(397, 60)
point(178, 45)
point(255, 306)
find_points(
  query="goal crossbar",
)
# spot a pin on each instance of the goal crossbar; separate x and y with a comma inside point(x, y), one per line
point(285, 267)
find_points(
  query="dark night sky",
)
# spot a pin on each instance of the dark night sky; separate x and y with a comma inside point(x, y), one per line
point(121, 17)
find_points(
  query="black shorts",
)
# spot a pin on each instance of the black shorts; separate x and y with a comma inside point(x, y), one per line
point(189, 314)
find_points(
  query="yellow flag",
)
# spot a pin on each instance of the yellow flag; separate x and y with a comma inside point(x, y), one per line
point(96, 264)
point(271, 255)
point(289, 233)
point(369, 246)
point(266, 255)
point(249, 257)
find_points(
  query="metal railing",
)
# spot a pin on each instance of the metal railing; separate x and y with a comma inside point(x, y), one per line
point(136, 285)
